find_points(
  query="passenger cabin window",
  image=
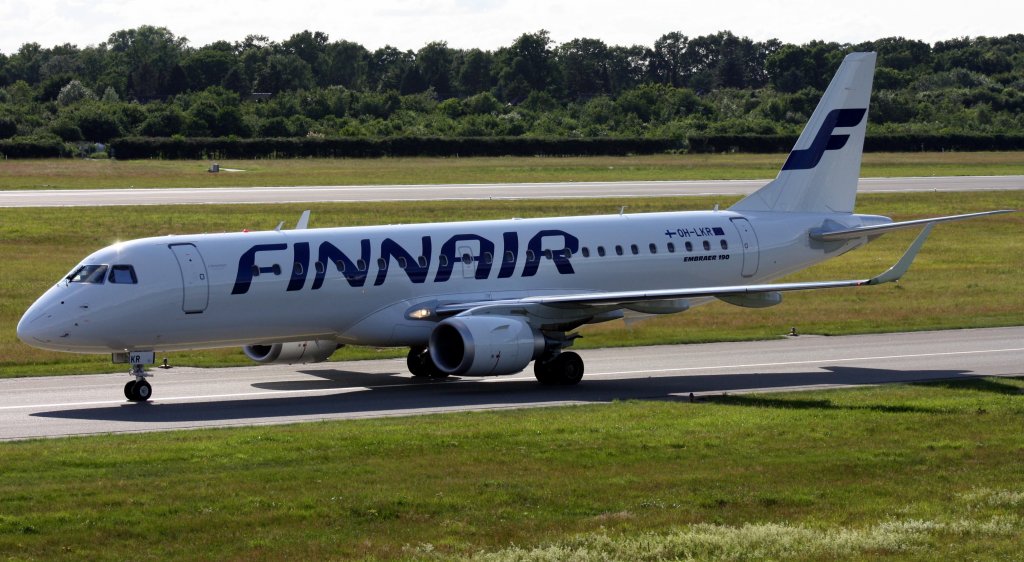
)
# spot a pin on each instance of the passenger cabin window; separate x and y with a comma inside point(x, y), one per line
point(402, 263)
point(634, 248)
point(509, 256)
point(88, 274)
point(124, 274)
point(467, 259)
point(586, 252)
point(422, 260)
point(361, 264)
point(548, 254)
point(319, 266)
point(443, 260)
point(654, 248)
point(382, 263)
point(707, 245)
point(340, 264)
point(530, 256)
point(689, 247)
point(488, 258)
point(671, 248)
point(725, 245)
point(600, 251)
point(618, 250)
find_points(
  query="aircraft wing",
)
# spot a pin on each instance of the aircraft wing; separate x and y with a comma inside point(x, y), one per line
point(847, 234)
point(619, 299)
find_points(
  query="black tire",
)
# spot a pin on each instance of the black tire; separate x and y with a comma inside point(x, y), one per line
point(418, 362)
point(129, 390)
point(565, 369)
point(570, 367)
point(143, 391)
point(422, 366)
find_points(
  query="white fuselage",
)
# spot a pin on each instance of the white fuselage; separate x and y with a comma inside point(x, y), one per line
point(358, 284)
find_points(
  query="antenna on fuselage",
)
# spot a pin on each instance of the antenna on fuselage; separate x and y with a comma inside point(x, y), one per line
point(279, 225)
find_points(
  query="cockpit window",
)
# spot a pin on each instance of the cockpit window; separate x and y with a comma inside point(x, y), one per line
point(88, 274)
point(123, 274)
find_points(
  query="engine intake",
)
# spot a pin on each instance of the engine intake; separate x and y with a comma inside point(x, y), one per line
point(313, 351)
point(484, 345)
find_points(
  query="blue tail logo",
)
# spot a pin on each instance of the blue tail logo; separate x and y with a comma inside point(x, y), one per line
point(808, 158)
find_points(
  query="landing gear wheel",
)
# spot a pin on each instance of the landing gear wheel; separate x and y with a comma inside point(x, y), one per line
point(565, 369)
point(422, 366)
point(129, 390)
point(138, 391)
point(143, 391)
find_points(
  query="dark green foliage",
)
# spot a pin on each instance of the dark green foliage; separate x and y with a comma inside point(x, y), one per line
point(21, 147)
point(711, 89)
point(193, 148)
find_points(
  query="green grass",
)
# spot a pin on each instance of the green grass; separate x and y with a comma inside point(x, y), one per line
point(968, 275)
point(900, 472)
point(78, 174)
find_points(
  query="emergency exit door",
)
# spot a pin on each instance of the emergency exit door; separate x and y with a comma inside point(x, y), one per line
point(751, 255)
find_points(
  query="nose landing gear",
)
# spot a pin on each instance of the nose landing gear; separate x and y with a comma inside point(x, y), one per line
point(138, 389)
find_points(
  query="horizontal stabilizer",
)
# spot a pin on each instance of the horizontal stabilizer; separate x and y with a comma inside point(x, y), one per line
point(859, 232)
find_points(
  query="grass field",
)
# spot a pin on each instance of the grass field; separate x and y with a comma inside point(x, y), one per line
point(898, 472)
point(76, 174)
point(968, 275)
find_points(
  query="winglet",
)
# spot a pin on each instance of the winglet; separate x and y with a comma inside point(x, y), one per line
point(303, 220)
point(901, 267)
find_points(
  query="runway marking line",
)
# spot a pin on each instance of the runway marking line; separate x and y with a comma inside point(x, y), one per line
point(514, 379)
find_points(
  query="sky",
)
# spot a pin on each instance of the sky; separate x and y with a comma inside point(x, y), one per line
point(490, 24)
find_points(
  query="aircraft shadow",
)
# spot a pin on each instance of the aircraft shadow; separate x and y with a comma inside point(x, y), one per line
point(398, 396)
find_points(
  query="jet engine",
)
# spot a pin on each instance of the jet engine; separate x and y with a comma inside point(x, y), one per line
point(313, 351)
point(484, 345)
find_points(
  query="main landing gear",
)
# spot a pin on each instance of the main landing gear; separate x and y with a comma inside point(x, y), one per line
point(422, 366)
point(563, 369)
point(138, 389)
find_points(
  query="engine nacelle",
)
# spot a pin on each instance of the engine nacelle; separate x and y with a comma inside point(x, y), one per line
point(484, 345)
point(289, 353)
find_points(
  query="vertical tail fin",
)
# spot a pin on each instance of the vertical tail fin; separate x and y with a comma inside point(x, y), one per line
point(822, 170)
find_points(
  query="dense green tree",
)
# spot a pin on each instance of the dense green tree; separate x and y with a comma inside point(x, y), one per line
point(345, 64)
point(474, 72)
point(208, 66)
point(434, 64)
point(526, 66)
point(149, 56)
point(584, 68)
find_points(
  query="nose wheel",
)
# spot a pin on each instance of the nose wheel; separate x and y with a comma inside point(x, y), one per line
point(139, 389)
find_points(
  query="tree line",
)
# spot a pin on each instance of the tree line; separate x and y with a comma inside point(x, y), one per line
point(147, 82)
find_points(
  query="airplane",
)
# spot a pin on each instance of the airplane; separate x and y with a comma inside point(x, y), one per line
point(477, 298)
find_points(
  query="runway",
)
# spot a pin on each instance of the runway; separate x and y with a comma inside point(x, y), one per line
point(193, 398)
point(562, 190)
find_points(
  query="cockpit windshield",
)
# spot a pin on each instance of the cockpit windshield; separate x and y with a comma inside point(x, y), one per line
point(88, 274)
point(121, 274)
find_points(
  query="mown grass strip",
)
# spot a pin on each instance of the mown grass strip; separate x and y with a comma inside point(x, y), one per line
point(79, 174)
point(908, 472)
point(967, 276)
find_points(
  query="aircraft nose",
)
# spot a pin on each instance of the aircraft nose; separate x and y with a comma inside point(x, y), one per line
point(32, 327)
point(40, 325)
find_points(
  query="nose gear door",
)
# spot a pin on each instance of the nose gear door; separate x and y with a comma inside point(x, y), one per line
point(194, 279)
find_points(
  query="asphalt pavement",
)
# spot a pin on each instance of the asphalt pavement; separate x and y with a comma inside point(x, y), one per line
point(276, 394)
